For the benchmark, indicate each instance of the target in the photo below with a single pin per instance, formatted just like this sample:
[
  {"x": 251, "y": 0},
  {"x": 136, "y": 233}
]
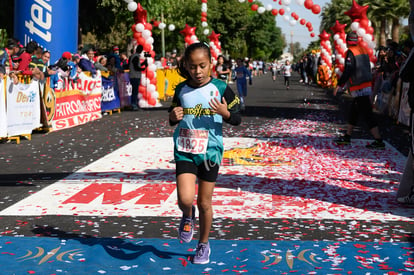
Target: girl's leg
[
  {"x": 186, "y": 192},
  {"x": 205, "y": 209}
]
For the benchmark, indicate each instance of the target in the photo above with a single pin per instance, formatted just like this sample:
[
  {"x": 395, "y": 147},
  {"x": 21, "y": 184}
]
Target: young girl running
[
  {"x": 241, "y": 74},
  {"x": 199, "y": 106}
]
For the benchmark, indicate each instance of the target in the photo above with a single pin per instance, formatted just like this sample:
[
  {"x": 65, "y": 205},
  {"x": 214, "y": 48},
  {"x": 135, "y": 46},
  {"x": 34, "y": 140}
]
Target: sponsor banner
[
  {"x": 45, "y": 255},
  {"x": 405, "y": 110},
  {"x": 124, "y": 88},
  {"x": 259, "y": 178},
  {"x": 110, "y": 98},
  {"x": 47, "y": 23},
  {"x": 77, "y": 101},
  {"x": 3, "y": 114},
  {"x": 23, "y": 108}
]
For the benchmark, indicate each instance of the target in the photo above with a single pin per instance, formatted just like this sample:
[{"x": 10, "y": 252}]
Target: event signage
[{"x": 52, "y": 24}]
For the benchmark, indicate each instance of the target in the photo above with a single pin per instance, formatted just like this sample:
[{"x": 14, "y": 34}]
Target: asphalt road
[{"x": 303, "y": 116}]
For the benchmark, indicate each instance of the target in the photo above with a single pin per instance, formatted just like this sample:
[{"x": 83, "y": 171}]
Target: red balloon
[
  {"x": 275, "y": 12},
  {"x": 147, "y": 47},
  {"x": 148, "y": 26},
  {"x": 137, "y": 35},
  {"x": 141, "y": 41},
  {"x": 203, "y": 19},
  {"x": 203, "y": 1},
  {"x": 133, "y": 28},
  {"x": 150, "y": 74},
  {"x": 302, "y": 21},
  {"x": 312, "y": 34},
  {"x": 316, "y": 9},
  {"x": 308, "y": 4},
  {"x": 203, "y": 13},
  {"x": 254, "y": 7},
  {"x": 142, "y": 89},
  {"x": 153, "y": 81},
  {"x": 281, "y": 11},
  {"x": 308, "y": 24},
  {"x": 152, "y": 101},
  {"x": 250, "y": 1},
  {"x": 310, "y": 28}
]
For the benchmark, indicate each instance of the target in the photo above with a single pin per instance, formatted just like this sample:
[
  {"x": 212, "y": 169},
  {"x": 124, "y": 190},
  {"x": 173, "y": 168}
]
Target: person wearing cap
[{"x": 357, "y": 75}]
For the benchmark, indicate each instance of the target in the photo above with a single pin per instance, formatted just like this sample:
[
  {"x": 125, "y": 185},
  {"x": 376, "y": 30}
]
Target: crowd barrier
[{"x": 61, "y": 102}]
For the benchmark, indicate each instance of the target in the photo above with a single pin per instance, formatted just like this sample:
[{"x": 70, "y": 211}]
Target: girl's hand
[
  {"x": 220, "y": 108},
  {"x": 176, "y": 114}
]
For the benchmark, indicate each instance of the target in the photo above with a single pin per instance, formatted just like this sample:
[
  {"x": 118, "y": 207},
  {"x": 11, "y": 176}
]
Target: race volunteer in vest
[{"x": 358, "y": 78}]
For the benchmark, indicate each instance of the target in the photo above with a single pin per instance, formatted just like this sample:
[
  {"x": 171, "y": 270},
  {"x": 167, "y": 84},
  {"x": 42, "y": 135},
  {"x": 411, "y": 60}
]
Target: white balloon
[
  {"x": 204, "y": 7},
  {"x": 132, "y": 6},
  {"x": 140, "y": 96},
  {"x": 355, "y": 26},
  {"x": 269, "y": 7},
  {"x": 144, "y": 80},
  {"x": 152, "y": 67},
  {"x": 328, "y": 43},
  {"x": 368, "y": 37},
  {"x": 206, "y": 31},
  {"x": 342, "y": 60},
  {"x": 241, "y": 1},
  {"x": 286, "y": 18},
  {"x": 127, "y": 1},
  {"x": 162, "y": 26},
  {"x": 286, "y": 2},
  {"x": 171, "y": 27},
  {"x": 292, "y": 22},
  {"x": 211, "y": 44},
  {"x": 361, "y": 32},
  {"x": 146, "y": 34},
  {"x": 150, "y": 61},
  {"x": 139, "y": 27},
  {"x": 204, "y": 24},
  {"x": 193, "y": 38},
  {"x": 143, "y": 103},
  {"x": 287, "y": 9},
  {"x": 300, "y": 2},
  {"x": 151, "y": 88},
  {"x": 336, "y": 37},
  {"x": 150, "y": 40},
  {"x": 261, "y": 10},
  {"x": 372, "y": 45},
  {"x": 155, "y": 95}
]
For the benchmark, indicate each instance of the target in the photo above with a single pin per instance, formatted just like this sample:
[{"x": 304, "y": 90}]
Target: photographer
[{"x": 135, "y": 69}]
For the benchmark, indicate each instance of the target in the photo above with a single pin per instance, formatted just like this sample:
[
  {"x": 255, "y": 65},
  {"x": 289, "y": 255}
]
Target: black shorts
[{"x": 207, "y": 170}]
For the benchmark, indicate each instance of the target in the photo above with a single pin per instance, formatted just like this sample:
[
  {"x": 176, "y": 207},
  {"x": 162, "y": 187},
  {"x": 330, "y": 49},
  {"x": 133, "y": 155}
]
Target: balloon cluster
[
  {"x": 204, "y": 23},
  {"x": 326, "y": 51},
  {"x": 362, "y": 26},
  {"x": 147, "y": 91},
  {"x": 340, "y": 46},
  {"x": 215, "y": 46},
  {"x": 189, "y": 35}
]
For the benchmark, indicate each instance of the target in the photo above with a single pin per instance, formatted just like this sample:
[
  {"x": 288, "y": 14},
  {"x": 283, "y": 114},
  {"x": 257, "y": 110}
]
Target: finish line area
[{"x": 286, "y": 205}]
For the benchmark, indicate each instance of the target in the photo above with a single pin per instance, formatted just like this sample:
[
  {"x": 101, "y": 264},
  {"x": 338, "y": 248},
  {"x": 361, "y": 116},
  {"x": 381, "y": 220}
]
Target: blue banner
[
  {"x": 110, "y": 98},
  {"x": 53, "y": 24}
]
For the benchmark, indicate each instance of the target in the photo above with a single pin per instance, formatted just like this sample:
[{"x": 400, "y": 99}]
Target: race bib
[{"x": 192, "y": 141}]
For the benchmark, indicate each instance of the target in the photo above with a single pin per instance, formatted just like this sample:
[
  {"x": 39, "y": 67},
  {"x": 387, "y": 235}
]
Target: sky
[{"x": 298, "y": 33}]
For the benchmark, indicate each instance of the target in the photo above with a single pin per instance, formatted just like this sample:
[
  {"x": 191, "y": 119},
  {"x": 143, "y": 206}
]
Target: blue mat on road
[{"x": 41, "y": 255}]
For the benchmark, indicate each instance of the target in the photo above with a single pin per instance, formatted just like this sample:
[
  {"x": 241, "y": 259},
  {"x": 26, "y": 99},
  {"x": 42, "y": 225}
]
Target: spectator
[
  {"x": 87, "y": 64},
  {"x": 101, "y": 63},
  {"x": 135, "y": 69},
  {"x": 6, "y": 62},
  {"x": 26, "y": 58}
]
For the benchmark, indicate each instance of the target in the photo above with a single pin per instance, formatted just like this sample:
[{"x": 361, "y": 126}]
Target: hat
[
  {"x": 352, "y": 38},
  {"x": 115, "y": 48},
  {"x": 67, "y": 55},
  {"x": 75, "y": 56}
]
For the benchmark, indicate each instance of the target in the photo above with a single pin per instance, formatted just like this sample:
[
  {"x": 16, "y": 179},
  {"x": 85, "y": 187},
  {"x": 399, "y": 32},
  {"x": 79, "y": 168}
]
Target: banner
[
  {"x": 110, "y": 98},
  {"x": 404, "y": 113},
  {"x": 48, "y": 23},
  {"x": 3, "y": 114},
  {"x": 124, "y": 89},
  {"x": 77, "y": 101},
  {"x": 23, "y": 108}
]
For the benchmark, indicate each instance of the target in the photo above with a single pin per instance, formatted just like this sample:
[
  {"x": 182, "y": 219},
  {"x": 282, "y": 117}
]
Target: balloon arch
[{"x": 360, "y": 23}]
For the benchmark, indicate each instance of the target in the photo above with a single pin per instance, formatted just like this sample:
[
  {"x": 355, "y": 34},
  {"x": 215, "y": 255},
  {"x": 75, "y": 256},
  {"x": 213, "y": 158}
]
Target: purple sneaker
[
  {"x": 186, "y": 230},
  {"x": 202, "y": 255}
]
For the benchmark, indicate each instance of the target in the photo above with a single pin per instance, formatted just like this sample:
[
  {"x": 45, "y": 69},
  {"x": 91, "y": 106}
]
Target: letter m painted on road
[{"x": 112, "y": 194}]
